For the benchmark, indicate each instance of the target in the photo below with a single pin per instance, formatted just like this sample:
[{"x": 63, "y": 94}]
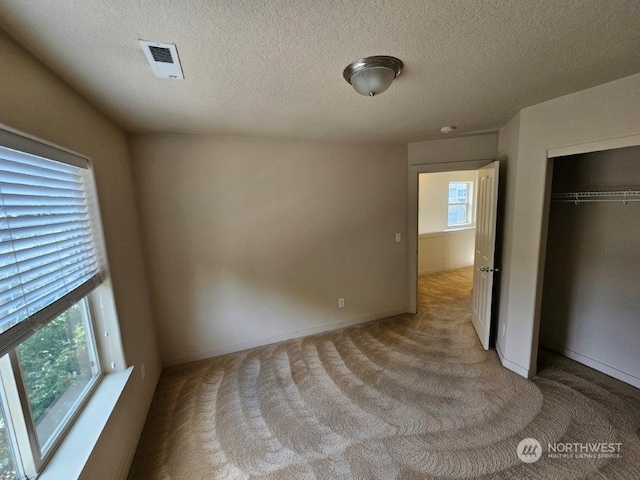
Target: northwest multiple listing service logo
[{"x": 529, "y": 450}]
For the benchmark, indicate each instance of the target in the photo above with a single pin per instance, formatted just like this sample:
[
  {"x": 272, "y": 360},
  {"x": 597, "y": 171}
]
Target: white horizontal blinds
[{"x": 47, "y": 254}]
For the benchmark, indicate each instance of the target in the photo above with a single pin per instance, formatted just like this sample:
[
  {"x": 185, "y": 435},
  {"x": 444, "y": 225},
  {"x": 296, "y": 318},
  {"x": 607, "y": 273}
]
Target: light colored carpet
[{"x": 411, "y": 397}]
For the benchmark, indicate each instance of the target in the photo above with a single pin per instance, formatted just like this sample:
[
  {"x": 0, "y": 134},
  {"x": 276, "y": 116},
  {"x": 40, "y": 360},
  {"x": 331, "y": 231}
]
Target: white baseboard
[
  {"x": 445, "y": 269},
  {"x": 514, "y": 367},
  {"x": 259, "y": 342},
  {"x": 596, "y": 365}
]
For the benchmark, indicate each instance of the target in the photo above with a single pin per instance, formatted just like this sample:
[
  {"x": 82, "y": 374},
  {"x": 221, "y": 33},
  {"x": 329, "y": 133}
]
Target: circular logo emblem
[{"x": 529, "y": 450}]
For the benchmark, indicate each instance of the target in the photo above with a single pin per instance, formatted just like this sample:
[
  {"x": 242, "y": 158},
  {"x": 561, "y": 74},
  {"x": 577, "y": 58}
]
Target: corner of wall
[
  {"x": 507, "y": 155},
  {"x": 514, "y": 367},
  {"x": 34, "y": 99}
]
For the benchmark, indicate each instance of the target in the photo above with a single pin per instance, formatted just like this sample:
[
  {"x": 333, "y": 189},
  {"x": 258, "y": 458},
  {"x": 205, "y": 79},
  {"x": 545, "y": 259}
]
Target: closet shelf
[{"x": 624, "y": 196}]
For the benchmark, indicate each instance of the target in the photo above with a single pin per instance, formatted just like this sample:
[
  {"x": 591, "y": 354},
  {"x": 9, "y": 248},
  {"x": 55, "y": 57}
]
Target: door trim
[
  {"x": 414, "y": 171},
  {"x": 552, "y": 154}
]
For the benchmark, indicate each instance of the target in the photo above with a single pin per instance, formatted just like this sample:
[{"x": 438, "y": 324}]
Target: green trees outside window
[
  {"x": 56, "y": 366},
  {"x": 54, "y": 359}
]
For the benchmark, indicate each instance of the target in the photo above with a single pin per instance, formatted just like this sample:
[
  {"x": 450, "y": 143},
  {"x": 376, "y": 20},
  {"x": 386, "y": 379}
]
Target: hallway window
[{"x": 459, "y": 211}]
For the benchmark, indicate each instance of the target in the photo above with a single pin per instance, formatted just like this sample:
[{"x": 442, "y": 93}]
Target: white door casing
[
  {"x": 414, "y": 171},
  {"x": 484, "y": 267}
]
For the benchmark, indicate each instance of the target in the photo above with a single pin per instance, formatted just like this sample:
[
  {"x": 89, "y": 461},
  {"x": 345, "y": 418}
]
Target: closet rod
[{"x": 624, "y": 196}]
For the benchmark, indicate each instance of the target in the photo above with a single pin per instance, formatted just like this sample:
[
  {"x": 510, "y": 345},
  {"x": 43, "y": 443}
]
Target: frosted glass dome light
[{"x": 371, "y": 76}]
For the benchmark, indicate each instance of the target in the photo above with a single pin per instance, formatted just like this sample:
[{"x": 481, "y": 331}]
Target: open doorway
[
  {"x": 446, "y": 235},
  {"x": 467, "y": 203}
]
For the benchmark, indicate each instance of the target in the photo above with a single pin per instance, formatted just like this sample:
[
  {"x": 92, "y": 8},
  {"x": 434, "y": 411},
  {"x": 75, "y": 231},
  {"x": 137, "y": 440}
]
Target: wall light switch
[
  {"x": 341, "y": 303},
  {"x": 398, "y": 237}
]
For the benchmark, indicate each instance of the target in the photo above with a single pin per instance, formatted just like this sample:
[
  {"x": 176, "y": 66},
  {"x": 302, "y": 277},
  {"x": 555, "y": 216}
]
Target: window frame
[
  {"x": 42, "y": 452},
  {"x": 100, "y": 322},
  {"x": 470, "y": 221}
]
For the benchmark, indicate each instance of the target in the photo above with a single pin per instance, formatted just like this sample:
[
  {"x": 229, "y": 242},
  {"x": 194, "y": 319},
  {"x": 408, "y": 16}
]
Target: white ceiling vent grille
[{"x": 163, "y": 58}]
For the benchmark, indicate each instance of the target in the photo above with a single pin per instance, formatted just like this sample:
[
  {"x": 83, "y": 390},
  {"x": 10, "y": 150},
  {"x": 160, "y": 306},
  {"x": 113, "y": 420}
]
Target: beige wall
[
  {"x": 442, "y": 251},
  {"x": 507, "y": 149},
  {"x": 590, "y": 300},
  {"x": 461, "y": 149},
  {"x": 599, "y": 114},
  {"x": 251, "y": 241},
  {"x": 440, "y": 248},
  {"x": 35, "y": 101},
  {"x": 433, "y": 196}
]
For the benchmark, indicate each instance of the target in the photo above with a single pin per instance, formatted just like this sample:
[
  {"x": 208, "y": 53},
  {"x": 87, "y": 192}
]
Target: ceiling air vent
[{"x": 163, "y": 58}]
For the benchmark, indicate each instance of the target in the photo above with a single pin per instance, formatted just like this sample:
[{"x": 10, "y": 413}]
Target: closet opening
[{"x": 591, "y": 290}]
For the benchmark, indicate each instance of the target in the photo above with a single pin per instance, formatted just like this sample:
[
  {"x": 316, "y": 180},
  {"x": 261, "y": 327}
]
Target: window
[
  {"x": 49, "y": 267},
  {"x": 7, "y": 462},
  {"x": 459, "y": 212}
]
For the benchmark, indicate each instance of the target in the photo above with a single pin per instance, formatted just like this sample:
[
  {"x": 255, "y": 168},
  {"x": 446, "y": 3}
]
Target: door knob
[{"x": 489, "y": 269}]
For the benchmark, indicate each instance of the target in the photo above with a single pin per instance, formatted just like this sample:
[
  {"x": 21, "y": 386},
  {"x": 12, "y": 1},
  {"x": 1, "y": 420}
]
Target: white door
[{"x": 483, "y": 266}]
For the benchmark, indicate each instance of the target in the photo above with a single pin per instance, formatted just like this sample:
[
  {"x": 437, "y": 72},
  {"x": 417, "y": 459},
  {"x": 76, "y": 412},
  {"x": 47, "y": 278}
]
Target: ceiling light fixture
[
  {"x": 448, "y": 129},
  {"x": 372, "y": 75}
]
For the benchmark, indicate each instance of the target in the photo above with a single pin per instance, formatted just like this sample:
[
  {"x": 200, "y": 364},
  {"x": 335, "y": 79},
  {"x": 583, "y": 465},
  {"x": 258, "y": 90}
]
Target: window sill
[
  {"x": 461, "y": 227},
  {"x": 444, "y": 233},
  {"x": 73, "y": 453}
]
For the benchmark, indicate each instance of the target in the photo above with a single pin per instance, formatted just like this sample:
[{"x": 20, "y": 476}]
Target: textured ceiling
[{"x": 274, "y": 67}]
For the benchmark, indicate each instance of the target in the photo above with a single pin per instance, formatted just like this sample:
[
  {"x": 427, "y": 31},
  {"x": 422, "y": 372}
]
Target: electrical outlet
[
  {"x": 143, "y": 371},
  {"x": 398, "y": 237},
  {"x": 341, "y": 303},
  {"x": 504, "y": 330}
]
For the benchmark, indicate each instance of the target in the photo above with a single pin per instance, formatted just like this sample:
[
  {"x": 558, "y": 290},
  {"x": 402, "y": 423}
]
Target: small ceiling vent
[{"x": 163, "y": 58}]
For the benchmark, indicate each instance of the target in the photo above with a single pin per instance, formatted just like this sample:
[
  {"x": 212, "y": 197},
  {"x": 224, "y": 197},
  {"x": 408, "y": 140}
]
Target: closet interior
[{"x": 591, "y": 292}]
